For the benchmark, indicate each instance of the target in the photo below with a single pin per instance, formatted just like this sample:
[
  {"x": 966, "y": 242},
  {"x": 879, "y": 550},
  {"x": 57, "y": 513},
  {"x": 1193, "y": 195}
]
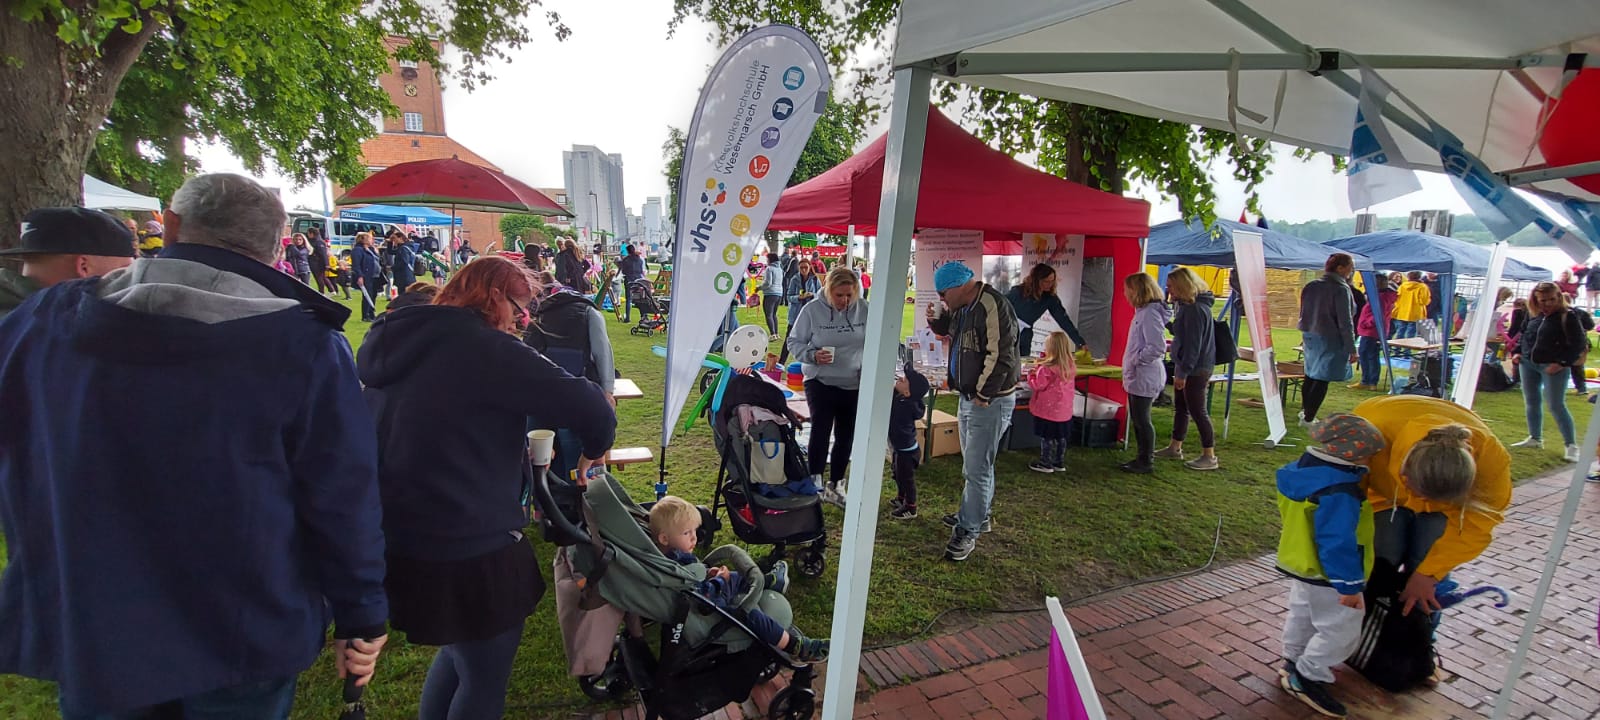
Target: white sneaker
[
  {"x": 1529, "y": 442},
  {"x": 1571, "y": 454},
  {"x": 1302, "y": 421}
]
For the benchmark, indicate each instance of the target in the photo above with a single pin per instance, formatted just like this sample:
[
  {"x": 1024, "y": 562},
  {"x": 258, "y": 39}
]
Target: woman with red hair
[{"x": 450, "y": 471}]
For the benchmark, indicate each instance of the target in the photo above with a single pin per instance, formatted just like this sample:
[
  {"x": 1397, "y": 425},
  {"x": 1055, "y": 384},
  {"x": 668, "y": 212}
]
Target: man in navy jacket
[{"x": 188, "y": 477}]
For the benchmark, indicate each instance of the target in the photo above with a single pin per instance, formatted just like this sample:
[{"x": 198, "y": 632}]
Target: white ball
[{"x": 746, "y": 346}]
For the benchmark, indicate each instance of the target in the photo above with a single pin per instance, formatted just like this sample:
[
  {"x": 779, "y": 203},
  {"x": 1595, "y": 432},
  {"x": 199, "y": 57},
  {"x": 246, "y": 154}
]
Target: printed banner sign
[
  {"x": 1480, "y": 317},
  {"x": 1250, "y": 262},
  {"x": 937, "y": 247},
  {"x": 1376, "y": 172},
  {"x": 1065, "y": 254},
  {"x": 755, "y": 114}
]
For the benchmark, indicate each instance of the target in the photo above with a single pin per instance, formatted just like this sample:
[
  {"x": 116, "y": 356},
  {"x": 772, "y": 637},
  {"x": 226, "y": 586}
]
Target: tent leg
[
  {"x": 902, "y": 177},
  {"x": 1235, "y": 321},
  {"x": 1558, "y": 543}
]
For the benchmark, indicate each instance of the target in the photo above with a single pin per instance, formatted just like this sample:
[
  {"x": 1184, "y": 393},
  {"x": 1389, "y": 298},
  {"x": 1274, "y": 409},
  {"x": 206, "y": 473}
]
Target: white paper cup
[
  {"x": 541, "y": 446},
  {"x": 829, "y": 350}
]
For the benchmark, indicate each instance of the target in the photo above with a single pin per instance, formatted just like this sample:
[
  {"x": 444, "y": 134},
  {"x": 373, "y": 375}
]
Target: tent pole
[
  {"x": 1558, "y": 543},
  {"x": 1235, "y": 321},
  {"x": 902, "y": 176}
]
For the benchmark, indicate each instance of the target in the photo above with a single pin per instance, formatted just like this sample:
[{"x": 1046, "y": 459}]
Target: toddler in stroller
[
  {"x": 709, "y": 653},
  {"x": 652, "y": 311}
]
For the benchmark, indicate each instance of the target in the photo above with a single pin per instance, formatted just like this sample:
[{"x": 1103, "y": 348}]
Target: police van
[{"x": 340, "y": 232}]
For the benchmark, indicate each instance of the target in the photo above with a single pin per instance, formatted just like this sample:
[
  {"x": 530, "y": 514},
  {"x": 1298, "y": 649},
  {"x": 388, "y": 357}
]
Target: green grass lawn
[{"x": 1063, "y": 534}]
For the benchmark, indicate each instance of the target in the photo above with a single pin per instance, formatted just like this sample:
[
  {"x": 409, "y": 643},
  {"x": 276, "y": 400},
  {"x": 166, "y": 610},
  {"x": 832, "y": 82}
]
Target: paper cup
[
  {"x": 541, "y": 446},
  {"x": 829, "y": 350}
]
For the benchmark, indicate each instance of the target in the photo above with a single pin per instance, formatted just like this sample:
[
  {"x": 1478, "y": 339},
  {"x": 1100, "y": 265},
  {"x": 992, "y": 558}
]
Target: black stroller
[
  {"x": 763, "y": 480},
  {"x": 709, "y": 657},
  {"x": 653, "y": 311}
]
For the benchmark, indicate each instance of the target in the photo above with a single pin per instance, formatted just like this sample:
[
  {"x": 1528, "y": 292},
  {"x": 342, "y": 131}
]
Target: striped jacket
[{"x": 984, "y": 363}]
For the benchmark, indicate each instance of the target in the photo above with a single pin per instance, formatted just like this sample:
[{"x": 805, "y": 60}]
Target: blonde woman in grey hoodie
[{"x": 829, "y": 338}]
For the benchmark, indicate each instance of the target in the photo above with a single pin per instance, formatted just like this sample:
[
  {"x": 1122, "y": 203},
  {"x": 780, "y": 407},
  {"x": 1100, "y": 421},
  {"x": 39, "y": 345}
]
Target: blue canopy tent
[
  {"x": 1407, "y": 250},
  {"x": 424, "y": 216},
  {"x": 1181, "y": 243},
  {"x": 1193, "y": 243}
]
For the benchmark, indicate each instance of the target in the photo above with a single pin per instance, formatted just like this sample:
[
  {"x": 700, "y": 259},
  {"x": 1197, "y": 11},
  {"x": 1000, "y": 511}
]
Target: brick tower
[{"x": 418, "y": 133}]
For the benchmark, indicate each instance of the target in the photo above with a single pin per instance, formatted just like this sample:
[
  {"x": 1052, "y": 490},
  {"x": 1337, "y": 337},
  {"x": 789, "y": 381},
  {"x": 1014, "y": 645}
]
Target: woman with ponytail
[{"x": 1438, "y": 489}]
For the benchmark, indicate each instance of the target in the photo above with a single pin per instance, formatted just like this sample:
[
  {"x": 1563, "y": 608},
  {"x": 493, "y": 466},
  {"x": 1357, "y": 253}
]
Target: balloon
[{"x": 1569, "y": 127}]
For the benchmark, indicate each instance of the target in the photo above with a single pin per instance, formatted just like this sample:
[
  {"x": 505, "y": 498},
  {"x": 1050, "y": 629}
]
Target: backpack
[
  {"x": 560, "y": 332},
  {"x": 1492, "y": 377},
  {"x": 1227, "y": 351},
  {"x": 1396, "y": 651}
]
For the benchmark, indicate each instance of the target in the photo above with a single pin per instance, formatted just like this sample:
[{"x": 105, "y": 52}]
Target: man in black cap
[{"x": 61, "y": 244}]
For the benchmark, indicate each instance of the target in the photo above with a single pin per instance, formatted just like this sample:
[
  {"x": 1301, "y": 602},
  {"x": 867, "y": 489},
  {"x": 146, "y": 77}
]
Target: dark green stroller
[{"x": 708, "y": 656}]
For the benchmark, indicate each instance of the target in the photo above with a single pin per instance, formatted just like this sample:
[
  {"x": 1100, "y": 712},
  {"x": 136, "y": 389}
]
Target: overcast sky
[{"x": 618, "y": 82}]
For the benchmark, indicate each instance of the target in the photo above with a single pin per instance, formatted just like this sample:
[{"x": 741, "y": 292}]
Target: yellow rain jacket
[
  {"x": 1404, "y": 420},
  {"x": 1412, "y": 305}
]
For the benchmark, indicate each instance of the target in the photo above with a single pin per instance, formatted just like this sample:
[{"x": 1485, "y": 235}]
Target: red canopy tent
[{"x": 967, "y": 185}]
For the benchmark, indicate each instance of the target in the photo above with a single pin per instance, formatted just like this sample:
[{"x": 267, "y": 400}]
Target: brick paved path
[{"x": 1204, "y": 646}]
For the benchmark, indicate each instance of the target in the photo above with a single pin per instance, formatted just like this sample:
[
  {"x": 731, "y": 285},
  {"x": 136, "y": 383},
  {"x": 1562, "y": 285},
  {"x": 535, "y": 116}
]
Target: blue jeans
[
  {"x": 266, "y": 700},
  {"x": 1553, "y": 388},
  {"x": 981, "y": 428},
  {"x": 1371, "y": 355},
  {"x": 1403, "y": 329}
]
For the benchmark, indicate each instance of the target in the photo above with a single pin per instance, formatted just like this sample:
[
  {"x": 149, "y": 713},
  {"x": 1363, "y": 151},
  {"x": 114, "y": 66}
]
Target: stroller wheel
[
  {"x": 610, "y": 685},
  {"x": 793, "y": 704},
  {"x": 707, "y": 379},
  {"x": 812, "y": 562}
]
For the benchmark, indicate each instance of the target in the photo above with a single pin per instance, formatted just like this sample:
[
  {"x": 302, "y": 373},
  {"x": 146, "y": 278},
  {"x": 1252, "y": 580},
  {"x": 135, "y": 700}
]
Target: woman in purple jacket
[{"x": 1143, "y": 376}]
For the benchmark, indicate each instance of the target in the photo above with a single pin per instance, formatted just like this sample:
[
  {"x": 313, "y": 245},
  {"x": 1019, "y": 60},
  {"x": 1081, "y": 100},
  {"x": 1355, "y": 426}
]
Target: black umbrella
[{"x": 354, "y": 709}]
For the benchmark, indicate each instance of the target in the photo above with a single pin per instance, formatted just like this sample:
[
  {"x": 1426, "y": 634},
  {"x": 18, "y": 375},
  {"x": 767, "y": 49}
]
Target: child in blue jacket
[{"x": 1326, "y": 549}]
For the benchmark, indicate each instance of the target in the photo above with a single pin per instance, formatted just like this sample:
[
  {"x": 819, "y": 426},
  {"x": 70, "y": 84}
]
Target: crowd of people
[{"x": 327, "y": 488}]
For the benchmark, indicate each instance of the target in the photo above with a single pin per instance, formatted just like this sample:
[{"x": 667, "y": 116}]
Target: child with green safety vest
[{"x": 1326, "y": 550}]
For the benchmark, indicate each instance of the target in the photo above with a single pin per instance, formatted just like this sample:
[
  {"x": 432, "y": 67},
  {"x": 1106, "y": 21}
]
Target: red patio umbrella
[{"x": 453, "y": 182}]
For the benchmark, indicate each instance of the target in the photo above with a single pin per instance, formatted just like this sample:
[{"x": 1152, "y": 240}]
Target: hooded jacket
[
  {"x": 1406, "y": 419},
  {"x": 1328, "y": 309},
  {"x": 1327, "y": 523},
  {"x": 1411, "y": 304},
  {"x": 801, "y": 284},
  {"x": 450, "y": 463},
  {"x": 142, "y": 571},
  {"x": 1142, "y": 372},
  {"x": 984, "y": 363},
  {"x": 1194, "y": 345},
  {"x": 631, "y": 267},
  {"x": 1366, "y": 326},
  {"x": 299, "y": 258},
  {"x": 14, "y": 289},
  {"x": 904, "y": 412},
  {"x": 820, "y": 326},
  {"x": 1053, "y": 395},
  {"x": 1556, "y": 338}
]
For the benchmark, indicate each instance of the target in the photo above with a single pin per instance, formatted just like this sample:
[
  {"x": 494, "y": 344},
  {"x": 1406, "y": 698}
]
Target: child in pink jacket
[{"x": 1051, "y": 405}]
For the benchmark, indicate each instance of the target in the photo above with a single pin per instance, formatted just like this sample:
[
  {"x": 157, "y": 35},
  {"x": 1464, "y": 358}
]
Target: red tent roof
[{"x": 966, "y": 185}]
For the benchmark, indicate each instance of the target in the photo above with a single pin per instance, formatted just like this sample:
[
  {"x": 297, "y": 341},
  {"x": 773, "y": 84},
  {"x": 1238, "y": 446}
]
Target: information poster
[
  {"x": 1250, "y": 262},
  {"x": 1480, "y": 317},
  {"x": 937, "y": 247}
]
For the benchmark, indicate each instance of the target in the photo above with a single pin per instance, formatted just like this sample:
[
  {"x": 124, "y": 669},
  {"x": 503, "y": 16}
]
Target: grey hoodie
[{"x": 820, "y": 326}]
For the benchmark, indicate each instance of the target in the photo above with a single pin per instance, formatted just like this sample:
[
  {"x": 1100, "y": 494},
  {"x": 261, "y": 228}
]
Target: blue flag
[
  {"x": 1377, "y": 171},
  {"x": 1500, "y": 209}
]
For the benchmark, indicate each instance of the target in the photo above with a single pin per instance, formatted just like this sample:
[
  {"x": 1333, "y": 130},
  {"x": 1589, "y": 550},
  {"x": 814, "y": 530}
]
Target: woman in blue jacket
[
  {"x": 1035, "y": 297},
  {"x": 367, "y": 273},
  {"x": 461, "y": 574}
]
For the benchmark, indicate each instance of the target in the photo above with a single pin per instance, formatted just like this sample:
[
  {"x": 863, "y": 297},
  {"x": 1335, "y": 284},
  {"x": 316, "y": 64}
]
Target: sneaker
[
  {"x": 960, "y": 546},
  {"x": 1137, "y": 467},
  {"x": 1167, "y": 453},
  {"x": 904, "y": 512},
  {"x": 1286, "y": 668},
  {"x": 1571, "y": 455},
  {"x": 832, "y": 496},
  {"x": 1359, "y": 386},
  {"x": 954, "y": 519},
  {"x": 1204, "y": 462},
  {"x": 1041, "y": 466},
  {"x": 778, "y": 577},
  {"x": 807, "y": 650},
  {"x": 1303, "y": 422},
  {"x": 1593, "y": 476},
  {"x": 1529, "y": 442},
  {"x": 1312, "y": 693},
  {"x": 896, "y": 504}
]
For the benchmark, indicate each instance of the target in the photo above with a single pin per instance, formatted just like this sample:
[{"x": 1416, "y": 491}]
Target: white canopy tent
[
  {"x": 1281, "y": 69},
  {"x": 101, "y": 195}
]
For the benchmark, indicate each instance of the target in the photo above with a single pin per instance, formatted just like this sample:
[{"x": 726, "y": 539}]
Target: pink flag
[{"x": 1065, "y": 700}]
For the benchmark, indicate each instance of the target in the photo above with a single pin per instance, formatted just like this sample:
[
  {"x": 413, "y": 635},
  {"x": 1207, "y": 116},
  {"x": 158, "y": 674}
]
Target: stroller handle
[{"x": 561, "y": 529}]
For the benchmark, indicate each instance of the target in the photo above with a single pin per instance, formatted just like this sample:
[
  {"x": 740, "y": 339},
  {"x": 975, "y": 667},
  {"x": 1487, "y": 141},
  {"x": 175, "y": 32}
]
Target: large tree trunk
[
  {"x": 57, "y": 97},
  {"x": 1085, "y": 157}
]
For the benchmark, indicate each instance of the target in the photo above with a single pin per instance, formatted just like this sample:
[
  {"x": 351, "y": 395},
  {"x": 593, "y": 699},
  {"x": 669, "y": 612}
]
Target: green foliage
[
  {"x": 1462, "y": 227},
  {"x": 290, "y": 84},
  {"x": 1089, "y": 145},
  {"x": 832, "y": 141},
  {"x": 531, "y": 228}
]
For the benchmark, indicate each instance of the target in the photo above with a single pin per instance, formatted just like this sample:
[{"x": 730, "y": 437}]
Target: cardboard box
[{"x": 946, "y": 436}]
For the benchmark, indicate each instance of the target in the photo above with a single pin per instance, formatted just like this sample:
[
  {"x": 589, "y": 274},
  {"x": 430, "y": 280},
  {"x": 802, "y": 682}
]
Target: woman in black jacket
[
  {"x": 1194, "y": 356},
  {"x": 1551, "y": 341},
  {"x": 461, "y": 575},
  {"x": 570, "y": 268}
]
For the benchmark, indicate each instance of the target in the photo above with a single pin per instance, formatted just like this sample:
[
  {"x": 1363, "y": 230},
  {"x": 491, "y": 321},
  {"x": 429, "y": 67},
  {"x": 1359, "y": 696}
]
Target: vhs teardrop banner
[{"x": 756, "y": 113}]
